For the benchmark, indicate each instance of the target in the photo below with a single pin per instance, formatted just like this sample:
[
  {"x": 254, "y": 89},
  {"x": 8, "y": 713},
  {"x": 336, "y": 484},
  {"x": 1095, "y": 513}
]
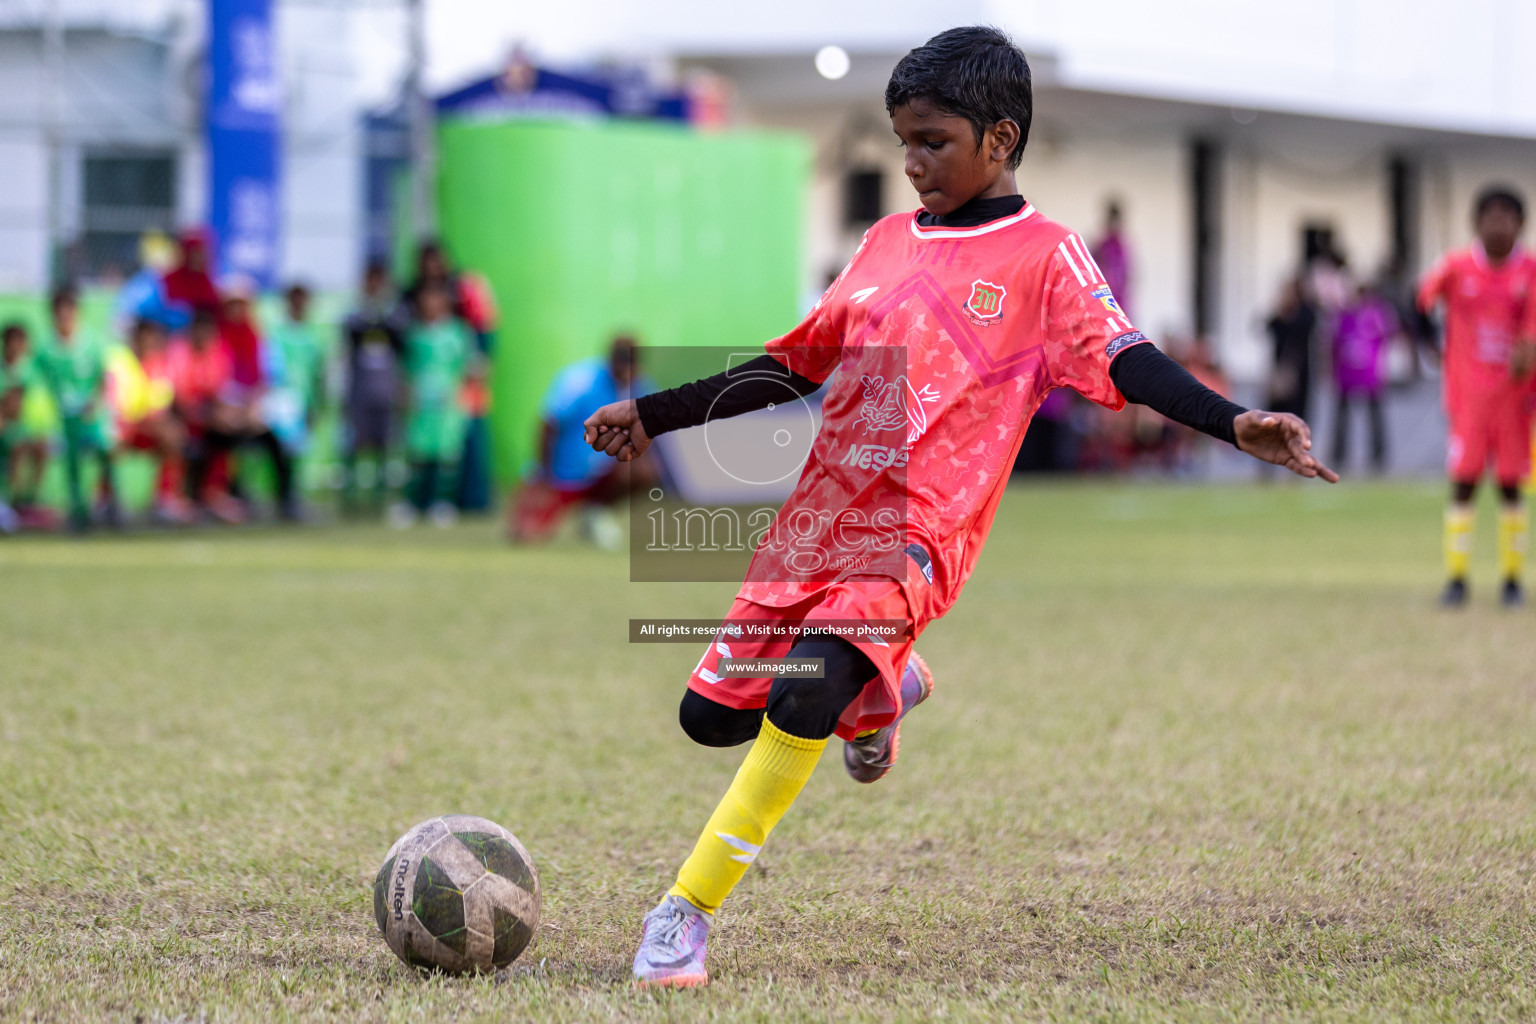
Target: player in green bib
[
  {"x": 438, "y": 354},
  {"x": 24, "y": 425},
  {"x": 72, "y": 365},
  {"x": 295, "y": 372}
]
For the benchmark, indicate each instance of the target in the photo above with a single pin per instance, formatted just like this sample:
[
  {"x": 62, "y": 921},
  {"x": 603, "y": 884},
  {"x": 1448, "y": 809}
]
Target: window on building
[
  {"x": 123, "y": 196},
  {"x": 861, "y": 197}
]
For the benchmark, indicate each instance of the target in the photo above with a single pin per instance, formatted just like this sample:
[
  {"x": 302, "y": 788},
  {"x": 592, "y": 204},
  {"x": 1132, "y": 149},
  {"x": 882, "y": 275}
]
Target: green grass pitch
[{"x": 1195, "y": 753}]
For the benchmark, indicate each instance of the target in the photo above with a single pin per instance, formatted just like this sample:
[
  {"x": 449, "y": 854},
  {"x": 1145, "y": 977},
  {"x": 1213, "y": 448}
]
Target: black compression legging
[
  {"x": 1462, "y": 491},
  {"x": 808, "y": 708}
]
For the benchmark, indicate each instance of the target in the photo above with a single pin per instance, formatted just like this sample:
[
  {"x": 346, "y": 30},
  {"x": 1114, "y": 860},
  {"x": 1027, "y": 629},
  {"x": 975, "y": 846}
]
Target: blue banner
[{"x": 243, "y": 124}]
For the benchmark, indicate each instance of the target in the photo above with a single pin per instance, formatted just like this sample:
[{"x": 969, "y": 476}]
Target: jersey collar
[
  {"x": 1480, "y": 255},
  {"x": 918, "y": 231}
]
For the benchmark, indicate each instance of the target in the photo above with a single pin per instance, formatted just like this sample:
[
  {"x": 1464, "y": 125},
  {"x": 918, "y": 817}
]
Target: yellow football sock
[
  {"x": 1512, "y": 530},
  {"x": 1458, "y": 541},
  {"x": 775, "y": 771}
]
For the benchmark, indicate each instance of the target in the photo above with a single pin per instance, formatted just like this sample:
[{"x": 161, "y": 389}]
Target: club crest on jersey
[
  {"x": 1107, "y": 300},
  {"x": 985, "y": 306}
]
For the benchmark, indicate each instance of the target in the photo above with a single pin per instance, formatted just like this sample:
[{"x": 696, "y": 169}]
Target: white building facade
[
  {"x": 101, "y": 139},
  {"x": 1380, "y": 189}
]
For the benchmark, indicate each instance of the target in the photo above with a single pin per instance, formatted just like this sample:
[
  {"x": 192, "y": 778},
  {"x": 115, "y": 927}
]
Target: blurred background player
[
  {"x": 570, "y": 474},
  {"x": 1290, "y": 329},
  {"x": 246, "y": 425},
  {"x": 294, "y": 368},
  {"x": 1113, "y": 255},
  {"x": 199, "y": 372},
  {"x": 23, "y": 442},
  {"x": 439, "y": 354},
  {"x": 374, "y": 336},
  {"x": 72, "y": 367},
  {"x": 1361, "y": 334},
  {"x": 473, "y": 305},
  {"x": 1485, "y": 291},
  {"x": 142, "y": 395},
  {"x": 188, "y": 286},
  {"x": 144, "y": 295}
]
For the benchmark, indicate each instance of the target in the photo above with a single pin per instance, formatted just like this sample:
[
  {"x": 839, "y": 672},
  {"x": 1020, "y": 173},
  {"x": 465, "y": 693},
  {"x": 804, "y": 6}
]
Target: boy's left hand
[{"x": 1280, "y": 438}]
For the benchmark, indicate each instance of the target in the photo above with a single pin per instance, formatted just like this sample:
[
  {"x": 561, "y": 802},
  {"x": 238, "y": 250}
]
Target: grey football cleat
[
  {"x": 870, "y": 758},
  {"x": 671, "y": 953}
]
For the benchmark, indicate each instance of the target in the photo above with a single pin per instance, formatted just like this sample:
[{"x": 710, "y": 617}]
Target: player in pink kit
[
  {"x": 1489, "y": 324},
  {"x": 946, "y": 331}
]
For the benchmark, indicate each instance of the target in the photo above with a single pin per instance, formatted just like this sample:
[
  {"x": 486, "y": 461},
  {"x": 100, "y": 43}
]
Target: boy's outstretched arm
[
  {"x": 1147, "y": 377},
  {"x": 625, "y": 429}
]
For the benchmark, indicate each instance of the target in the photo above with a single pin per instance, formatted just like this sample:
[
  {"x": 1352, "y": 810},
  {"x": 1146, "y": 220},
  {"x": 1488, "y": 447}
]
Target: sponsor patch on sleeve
[
  {"x": 1124, "y": 341},
  {"x": 1107, "y": 300}
]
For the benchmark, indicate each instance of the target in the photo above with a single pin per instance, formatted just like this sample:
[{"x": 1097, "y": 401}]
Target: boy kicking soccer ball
[{"x": 984, "y": 306}]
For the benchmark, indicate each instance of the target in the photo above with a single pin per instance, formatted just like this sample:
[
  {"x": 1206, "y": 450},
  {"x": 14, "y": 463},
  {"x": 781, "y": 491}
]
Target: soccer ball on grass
[{"x": 457, "y": 894}]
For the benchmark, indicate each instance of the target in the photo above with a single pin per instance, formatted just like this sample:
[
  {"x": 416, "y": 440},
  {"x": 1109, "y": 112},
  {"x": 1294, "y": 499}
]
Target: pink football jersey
[{"x": 944, "y": 342}]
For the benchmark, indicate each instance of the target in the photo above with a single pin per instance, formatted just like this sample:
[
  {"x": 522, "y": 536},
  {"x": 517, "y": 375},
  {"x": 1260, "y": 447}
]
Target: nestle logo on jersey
[
  {"x": 985, "y": 306},
  {"x": 874, "y": 456}
]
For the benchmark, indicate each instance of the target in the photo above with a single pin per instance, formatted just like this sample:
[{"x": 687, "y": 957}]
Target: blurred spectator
[
  {"x": 473, "y": 304},
  {"x": 144, "y": 295},
  {"x": 199, "y": 371},
  {"x": 239, "y": 334},
  {"x": 1198, "y": 357},
  {"x": 570, "y": 473},
  {"x": 1360, "y": 337},
  {"x": 1290, "y": 333},
  {"x": 220, "y": 417},
  {"x": 439, "y": 356},
  {"x": 1113, "y": 255},
  {"x": 142, "y": 393},
  {"x": 189, "y": 286},
  {"x": 477, "y": 306},
  {"x": 1328, "y": 283},
  {"x": 1050, "y": 444},
  {"x": 72, "y": 366},
  {"x": 375, "y": 341},
  {"x": 294, "y": 366},
  {"x": 246, "y": 393},
  {"x": 1398, "y": 287},
  {"x": 23, "y": 437},
  {"x": 431, "y": 270}
]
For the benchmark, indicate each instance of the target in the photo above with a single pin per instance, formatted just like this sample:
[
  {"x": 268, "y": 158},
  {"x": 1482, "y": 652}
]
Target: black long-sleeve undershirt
[
  {"x": 753, "y": 385},
  {"x": 1148, "y": 377},
  {"x": 1142, "y": 373}
]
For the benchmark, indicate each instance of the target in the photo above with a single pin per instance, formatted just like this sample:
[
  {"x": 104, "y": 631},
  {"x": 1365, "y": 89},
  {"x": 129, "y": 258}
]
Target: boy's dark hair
[
  {"x": 377, "y": 265},
  {"x": 973, "y": 72},
  {"x": 1500, "y": 195},
  {"x": 64, "y": 294},
  {"x": 297, "y": 288},
  {"x": 204, "y": 318},
  {"x": 12, "y": 329}
]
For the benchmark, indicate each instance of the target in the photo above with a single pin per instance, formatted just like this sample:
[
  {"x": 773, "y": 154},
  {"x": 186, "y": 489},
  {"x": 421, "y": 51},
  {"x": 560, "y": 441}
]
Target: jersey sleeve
[
  {"x": 1085, "y": 328},
  {"x": 814, "y": 347},
  {"x": 1526, "y": 332}
]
